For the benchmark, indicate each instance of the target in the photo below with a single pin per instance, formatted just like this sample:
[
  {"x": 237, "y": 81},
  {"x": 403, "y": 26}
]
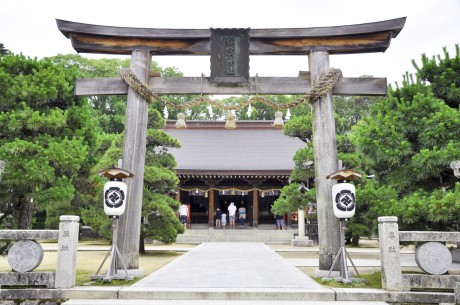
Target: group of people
[{"x": 221, "y": 216}]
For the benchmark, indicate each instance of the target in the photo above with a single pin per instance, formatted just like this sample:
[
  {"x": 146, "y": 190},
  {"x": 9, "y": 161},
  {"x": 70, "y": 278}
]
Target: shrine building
[{"x": 248, "y": 165}]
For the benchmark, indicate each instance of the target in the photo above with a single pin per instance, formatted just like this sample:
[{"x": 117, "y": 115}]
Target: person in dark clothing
[{"x": 218, "y": 218}]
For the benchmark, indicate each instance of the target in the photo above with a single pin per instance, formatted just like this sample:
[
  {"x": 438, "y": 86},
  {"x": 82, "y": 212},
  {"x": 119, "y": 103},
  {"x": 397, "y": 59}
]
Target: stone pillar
[
  {"x": 134, "y": 161},
  {"x": 66, "y": 267},
  {"x": 389, "y": 253},
  {"x": 325, "y": 150},
  {"x": 301, "y": 240},
  {"x": 301, "y": 218}
]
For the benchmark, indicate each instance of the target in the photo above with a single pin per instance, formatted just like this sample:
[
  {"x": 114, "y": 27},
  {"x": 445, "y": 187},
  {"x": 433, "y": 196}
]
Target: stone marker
[
  {"x": 66, "y": 267},
  {"x": 25, "y": 255},
  {"x": 389, "y": 253},
  {"x": 433, "y": 258}
]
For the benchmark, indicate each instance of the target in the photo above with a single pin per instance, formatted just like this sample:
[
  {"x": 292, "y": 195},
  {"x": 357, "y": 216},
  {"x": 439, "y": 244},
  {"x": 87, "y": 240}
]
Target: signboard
[{"x": 229, "y": 56}]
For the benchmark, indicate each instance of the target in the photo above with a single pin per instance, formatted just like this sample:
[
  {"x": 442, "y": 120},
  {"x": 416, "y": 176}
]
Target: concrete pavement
[{"x": 229, "y": 265}]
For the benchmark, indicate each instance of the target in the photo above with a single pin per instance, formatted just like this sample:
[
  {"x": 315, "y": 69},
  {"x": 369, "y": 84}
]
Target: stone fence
[
  {"x": 432, "y": 257},
  {"x": 26, "y": 254}
]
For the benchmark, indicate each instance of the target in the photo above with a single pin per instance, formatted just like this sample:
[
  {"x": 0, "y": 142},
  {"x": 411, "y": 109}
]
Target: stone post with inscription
[
  {"x": 66, "y": 267},
  {"x": 389, "y": 253}
]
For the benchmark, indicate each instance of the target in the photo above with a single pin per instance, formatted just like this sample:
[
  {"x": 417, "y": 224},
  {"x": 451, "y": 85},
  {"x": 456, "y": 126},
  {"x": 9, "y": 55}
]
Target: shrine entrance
[
  {"x": 230, "y": 51},
  {"x": 216, "y": 166}
]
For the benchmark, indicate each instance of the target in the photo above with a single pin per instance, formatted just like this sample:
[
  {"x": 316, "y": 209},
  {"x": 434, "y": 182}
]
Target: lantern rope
[{"x": 324, "y": 85}]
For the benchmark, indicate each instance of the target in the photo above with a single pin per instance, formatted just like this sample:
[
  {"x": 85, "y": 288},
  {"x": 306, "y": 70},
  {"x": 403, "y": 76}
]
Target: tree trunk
[
  {"x": 355, "y": 241},
  {"x": 142, "y": 242},
  {"x": 26, "y": 214}
]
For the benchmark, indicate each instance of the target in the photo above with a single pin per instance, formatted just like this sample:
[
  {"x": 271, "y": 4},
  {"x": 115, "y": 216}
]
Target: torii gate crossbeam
[{"x": 317, "y": 43}]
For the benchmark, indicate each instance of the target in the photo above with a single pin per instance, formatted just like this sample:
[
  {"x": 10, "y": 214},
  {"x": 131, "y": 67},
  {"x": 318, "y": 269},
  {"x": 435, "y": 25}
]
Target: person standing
[
  {"x": 218, "y": 218},
  {"x": 183, "y": 212},
  {"x": 280, "y": 222},
  {"x": 231, "y": 214},
  {"x": 242, "y": 215}
]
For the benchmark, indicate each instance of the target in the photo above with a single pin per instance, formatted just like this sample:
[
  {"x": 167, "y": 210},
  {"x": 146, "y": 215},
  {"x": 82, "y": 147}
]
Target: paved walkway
[
  {"x": 230, "y": 274},
  {"x": 227, "y": 274},
  {"x": 229, "y": 265}
]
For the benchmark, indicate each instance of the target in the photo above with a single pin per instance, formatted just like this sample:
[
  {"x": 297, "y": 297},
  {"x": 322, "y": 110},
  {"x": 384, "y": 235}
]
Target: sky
[{"x": 29, "y": 27}]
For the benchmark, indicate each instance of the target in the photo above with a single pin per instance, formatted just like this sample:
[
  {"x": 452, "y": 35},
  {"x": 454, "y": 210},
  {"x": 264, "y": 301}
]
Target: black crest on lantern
[
  {"x": 114, "y": 197},
  {"x": 345, "y": 200}
]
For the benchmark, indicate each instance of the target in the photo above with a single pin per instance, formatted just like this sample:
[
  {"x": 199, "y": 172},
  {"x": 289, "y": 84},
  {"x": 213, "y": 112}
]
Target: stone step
[
  {"x": 235, "y": 235},
  {"x": 213, "y": 302}
]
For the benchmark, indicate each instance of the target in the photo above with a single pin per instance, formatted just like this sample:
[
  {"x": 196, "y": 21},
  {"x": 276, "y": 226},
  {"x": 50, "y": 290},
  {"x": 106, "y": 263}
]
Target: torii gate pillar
[
  {"x": 326, "y": 162},
  {"x": 134, "y": 161}
]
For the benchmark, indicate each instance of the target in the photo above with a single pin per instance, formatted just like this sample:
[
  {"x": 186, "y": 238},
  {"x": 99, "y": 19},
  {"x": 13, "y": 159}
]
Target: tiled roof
[{"x": 253, "y": 148}]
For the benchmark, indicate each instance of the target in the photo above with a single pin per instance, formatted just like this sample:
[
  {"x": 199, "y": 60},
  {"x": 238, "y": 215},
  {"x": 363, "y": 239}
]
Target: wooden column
[
  {"x": 325, "y": 151},
  {"x": 178, "y": 195},
  {"x": 211, "y": 207},
  {"x": 255, "y": 208},
  {"x": 133, "y": 161}
]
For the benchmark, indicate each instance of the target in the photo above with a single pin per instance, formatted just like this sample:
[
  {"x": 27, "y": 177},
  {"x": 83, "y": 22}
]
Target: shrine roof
[{"x": 253, "y": 148}]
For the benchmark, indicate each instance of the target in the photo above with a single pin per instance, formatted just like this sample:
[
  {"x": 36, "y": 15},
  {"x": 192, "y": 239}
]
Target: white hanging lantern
[
  {"x": 344, "y": 193},
  {"x": 344, "y": 200},
  {"x": 115, "y": 198}
]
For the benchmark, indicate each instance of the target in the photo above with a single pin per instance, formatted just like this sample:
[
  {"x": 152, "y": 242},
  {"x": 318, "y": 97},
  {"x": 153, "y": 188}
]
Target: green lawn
[{"x": 89, "y": 261}]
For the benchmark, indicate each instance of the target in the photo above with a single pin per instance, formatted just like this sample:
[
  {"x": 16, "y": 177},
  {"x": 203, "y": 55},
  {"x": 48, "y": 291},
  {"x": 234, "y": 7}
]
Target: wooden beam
[
  {"x": 347, "y": 39},
  {"x": 266, "y": 85}
]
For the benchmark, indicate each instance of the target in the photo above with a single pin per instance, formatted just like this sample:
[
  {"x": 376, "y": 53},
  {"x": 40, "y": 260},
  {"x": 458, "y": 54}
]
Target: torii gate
[{"x": 317, "y": 43}]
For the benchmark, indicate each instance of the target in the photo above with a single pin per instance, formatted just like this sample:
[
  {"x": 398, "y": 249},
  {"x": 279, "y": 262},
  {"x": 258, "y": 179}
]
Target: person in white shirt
[
  {"x": 231, "y": 214},
  {"x": 183, "y": 212}
]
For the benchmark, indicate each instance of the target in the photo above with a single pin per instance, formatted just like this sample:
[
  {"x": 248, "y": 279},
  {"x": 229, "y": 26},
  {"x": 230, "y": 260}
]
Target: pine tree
[
  {"x": 47, "y": 139},
  {"x": 442, "y": 76},
  {"x": 410, "y": 138},
  {"x": 3, "y": 51}
]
